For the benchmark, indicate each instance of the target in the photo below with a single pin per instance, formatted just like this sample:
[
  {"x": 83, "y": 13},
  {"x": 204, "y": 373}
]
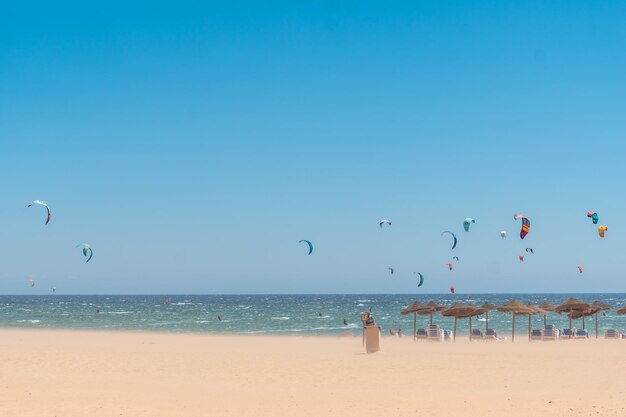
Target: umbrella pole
[
  {"x": 470, "y": 329},
  {"x": 529, "y": 327},
  {"x": 596, "y": 325},
  {"x": 513, "y": 332},
  {"x": 454, "y": 336},
  {"x": 486, "y": 321},
  {"x": 583, "y": 322},
  {"x": 431, "y": 319},
  {"x": 545, "y": 320},
  {"x": 414, "y": 320}
]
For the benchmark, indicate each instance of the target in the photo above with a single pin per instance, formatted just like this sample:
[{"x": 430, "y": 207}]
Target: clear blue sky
[{"x": 192, "y": 144}]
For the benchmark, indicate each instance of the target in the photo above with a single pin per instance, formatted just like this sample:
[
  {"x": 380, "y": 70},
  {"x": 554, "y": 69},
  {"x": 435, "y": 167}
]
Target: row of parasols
[{"x": 573, "y": 307}]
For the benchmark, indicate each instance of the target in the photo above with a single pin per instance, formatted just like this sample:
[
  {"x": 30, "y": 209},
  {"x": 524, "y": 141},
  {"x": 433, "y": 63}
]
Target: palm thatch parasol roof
[
  {"x": 622, "y": 310},
  {"x": 600, "y": 306},
  {"x": 535, "y": 309},
  {"x": 516, "y": 307},
  {"x": 435, "y": 305},
  {"x": 412, "y": 308},
  {"x": 571, "y": 304},
  {"x": 459, "y": 310},
  {"x": 488, "y": 306},
  {"x": 547, "y": 306}
]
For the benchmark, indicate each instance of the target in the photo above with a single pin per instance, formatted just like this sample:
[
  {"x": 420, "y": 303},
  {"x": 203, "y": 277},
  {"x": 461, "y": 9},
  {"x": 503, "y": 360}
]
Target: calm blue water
[{"x": 274, "y": 314}]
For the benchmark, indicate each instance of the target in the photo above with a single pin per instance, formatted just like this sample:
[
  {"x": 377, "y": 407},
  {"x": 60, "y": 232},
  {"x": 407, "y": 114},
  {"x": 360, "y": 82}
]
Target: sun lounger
[
  {"x": 491, "y": 334},
  {"x": 581, "y": 334},
  {"x": 549, "y": 332},
  {"x": 447, "y": 336},
  {"x": 536, "y": 335},
  {"x": 421, "y": 334},
  {"x": 612, "y": 334},
  {"x": 568, "y": 332},
  {"x": 477, "y": 334},
  {"x": 435, "y": 333}
]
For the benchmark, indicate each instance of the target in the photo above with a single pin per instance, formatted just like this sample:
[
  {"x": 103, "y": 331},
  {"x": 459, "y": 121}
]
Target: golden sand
[{"x": 76, "y": 373}]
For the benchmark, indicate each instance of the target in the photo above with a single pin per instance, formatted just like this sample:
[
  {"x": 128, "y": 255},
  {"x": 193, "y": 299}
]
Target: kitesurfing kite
[
  {"x": 503, "y": 234},
  {"x": 449, "y": 266},
  {"x": 32, "y": 282},
  {"x": 390, "y": 270},
  {"x": 580, "y": 269},
  {"x": 456, "y": 258},
  {"x": 601, "y": 230},
  {"x": 594, "y": 216},
  {"x": 383, "y": 221},
  {"x": 467, "y": 222},
  {"x": 521, "y": 258},
  {"x": 86, "y": 250},
  {"x": 308, "y": 243},
  {"x": 530, "y": 250},
  {"x": 525, "y": 225},
  {"x": 54, "y": 289},
  {"x": 41, "y": 203},
  {"x": 452, "y": 289},
  {"x": 421, "y": 278},
  {"x": 453, "y": 236}
]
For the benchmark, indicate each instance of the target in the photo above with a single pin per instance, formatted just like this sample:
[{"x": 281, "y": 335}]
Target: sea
[{"x": 274, "y": 314}]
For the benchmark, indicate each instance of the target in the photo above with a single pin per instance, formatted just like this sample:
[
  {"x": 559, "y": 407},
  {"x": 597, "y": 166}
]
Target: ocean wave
[{"x": 281, "y": 318}]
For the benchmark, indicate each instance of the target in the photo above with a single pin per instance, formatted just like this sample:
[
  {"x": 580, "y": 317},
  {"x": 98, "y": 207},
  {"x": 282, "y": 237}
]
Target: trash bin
[{"x": 372, "y": 338}]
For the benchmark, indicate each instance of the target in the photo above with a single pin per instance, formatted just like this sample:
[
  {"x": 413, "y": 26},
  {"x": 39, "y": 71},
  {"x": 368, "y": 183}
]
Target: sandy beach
[{"x": 76, "y": 373}]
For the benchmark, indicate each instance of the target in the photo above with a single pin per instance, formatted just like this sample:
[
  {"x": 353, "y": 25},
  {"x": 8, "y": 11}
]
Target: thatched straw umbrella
[
  {"x": 572, "y": 305},
  {"x": 412, "y": 308},
  {"x": 458, "y": 311},
  {"x": 599, "y": 306},
  {"x": 622, "y": 310},
  {"x": 536, "y": 310},
  {"x": 478, "y": 311},
  {"x": 430, "y": 308},
  {"x": 546, "y": 307},
  {"x": 487, "y": 307},
  {"x": 514, "y": 307}
]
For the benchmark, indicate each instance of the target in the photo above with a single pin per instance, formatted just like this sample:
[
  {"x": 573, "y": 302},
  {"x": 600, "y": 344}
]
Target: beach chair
[
  {"x": 568, "y": 332},
  {"x": 549, "y": 332},
  {"x": 581, "y": 334},
  {"x": 490, "y": 334},
  {"x": 612, "y": 334},
  {"x": 435, "y": 333},
  {"x": 477, "y": 334},
  {"x": 535, "y": 335},
  {"x": 447, "y": 336},
  {"x": 421, "y": 334}
]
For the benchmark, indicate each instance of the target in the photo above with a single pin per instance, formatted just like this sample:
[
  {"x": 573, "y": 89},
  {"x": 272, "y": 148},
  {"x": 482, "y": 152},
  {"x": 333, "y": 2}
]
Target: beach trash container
[{"x": 372, "y": 339}]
